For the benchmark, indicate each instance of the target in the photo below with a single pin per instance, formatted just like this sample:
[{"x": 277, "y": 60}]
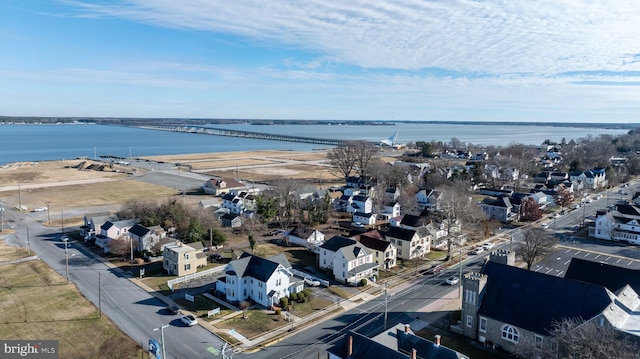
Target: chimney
[
  {"x": 350, "y": 346},
  {"x": 438, "y": 340},
  {"x": 414, "y": 354},
  {"x": 406, "y": 328}
]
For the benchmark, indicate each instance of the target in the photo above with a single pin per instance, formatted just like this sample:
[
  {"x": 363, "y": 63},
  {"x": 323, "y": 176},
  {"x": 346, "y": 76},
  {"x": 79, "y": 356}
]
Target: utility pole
[
  {"x": 62, "y": 219},
  {"x": 66, "y": 259},
  {"x": 48, "y": 212},
  {"x": 99, "y": 296},
  {"x": 385, "y": 305},
  {"x": 460, "y": 275},
  {"x": 1, "y": 215},
  {"x": 28, "y": 243}
]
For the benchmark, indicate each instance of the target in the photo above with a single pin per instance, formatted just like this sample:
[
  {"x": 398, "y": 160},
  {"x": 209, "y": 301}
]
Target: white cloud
[{"x": 495, "y": 36}]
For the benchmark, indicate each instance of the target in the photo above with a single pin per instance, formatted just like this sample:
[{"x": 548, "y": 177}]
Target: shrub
[
  {"x": 294, "y": 297},
  {"x": 302, "y": 300},
  {"x": 301, "y": 296},
  {"x": 284, "y": 302},
  {"x": 362, "y": 282},
  {"x": 278, "y": 311},
  {"x": 307, "y": 292}
]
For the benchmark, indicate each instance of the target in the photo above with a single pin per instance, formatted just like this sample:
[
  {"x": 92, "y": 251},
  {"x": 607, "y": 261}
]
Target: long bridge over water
[{"x": 245, "y": 134}]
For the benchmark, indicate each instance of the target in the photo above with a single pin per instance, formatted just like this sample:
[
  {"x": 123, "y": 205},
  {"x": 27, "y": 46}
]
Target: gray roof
[
  {"x": 533, "y": 301},
  {"x": 401, "y": 233},
  {"x": 256, "y": 267},
  {"x": 337, "y": 242}
]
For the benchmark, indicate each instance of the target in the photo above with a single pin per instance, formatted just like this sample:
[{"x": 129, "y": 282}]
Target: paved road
[{"x": 133, "y": 310}]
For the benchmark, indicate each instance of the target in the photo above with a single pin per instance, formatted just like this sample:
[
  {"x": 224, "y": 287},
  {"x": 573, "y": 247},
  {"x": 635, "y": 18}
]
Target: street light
[
  {"x": 161, "y": 329},
  {"x": 66, "y": 258}
]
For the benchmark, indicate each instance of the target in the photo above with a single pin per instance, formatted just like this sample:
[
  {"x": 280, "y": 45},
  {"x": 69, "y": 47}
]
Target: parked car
[
  {"x": 545, "y": 225},
  {"x": 40, "y": 209},
  {"x": 477, "y": 250},
  {"x": 453, "y": 280},
  {"x": 598, "y": 196},
  {"x": 357, "y": 224},
  {"x": 588, "y": 200},
  {"x": 488, "y": 246},
  {"x": 172, "y": 309},
  {"x": 64, "y": 238},
  {"x": 189, "y": 320},
  {"x": 311, "y": 281}
]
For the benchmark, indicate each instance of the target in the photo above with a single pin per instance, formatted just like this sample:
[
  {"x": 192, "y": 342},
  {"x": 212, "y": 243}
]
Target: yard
[{"x": 74, "y": 322}]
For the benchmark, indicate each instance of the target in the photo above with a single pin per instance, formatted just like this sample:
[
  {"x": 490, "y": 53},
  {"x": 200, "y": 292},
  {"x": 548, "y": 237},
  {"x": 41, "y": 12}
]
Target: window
[
  {"x": 538, "y": 341},
  {"x": 186, "y": 256},
  {"x": 510, "y": 333},
  {"x": 483, "y": 325},
  {"x": 470, "y": 296},
  {"x": 469, "y": 321},
  {"x": 187, "y": 266}
]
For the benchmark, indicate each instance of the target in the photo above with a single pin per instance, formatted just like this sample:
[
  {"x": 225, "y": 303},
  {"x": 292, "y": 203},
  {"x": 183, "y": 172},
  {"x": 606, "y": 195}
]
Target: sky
[{"x": 429, "y": 60}]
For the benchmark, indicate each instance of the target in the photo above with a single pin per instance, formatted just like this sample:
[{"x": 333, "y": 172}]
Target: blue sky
[{"x": 484, "y": 60}]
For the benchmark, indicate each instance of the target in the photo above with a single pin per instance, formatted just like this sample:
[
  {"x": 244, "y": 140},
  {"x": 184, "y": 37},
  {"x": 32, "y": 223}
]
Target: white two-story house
[
  {"x": 410, "y": 243},
  {"x": 349, "y": 261},
  {"x": 263, "y": 280}
]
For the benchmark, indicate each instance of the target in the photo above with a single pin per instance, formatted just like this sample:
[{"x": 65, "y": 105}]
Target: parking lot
[{"x": 557, "y": 263}]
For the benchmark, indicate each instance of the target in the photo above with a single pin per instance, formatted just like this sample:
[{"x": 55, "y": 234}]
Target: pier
[{"x": 245, "y": 134}]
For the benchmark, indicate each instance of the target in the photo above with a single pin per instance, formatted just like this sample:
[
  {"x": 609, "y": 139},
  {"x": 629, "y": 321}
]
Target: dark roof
[
  {"x": 612, "y": 277},
  {"x": 363, "y": 348},
  {"x": 364, "y": 215},
  {"x": 302, "y": 232},
  {"x": 229, "y": 217},
  {"x": 228, "y": 197},
  {"x": 360, "y": 198},
  {"x": 628, "y": 209},
  {"x": 533, "y": 301},
  {"x": 401, "y": 233},
  {"x": 256, "y": 267},
  {"x": 414, "y": 221},
  {"x": 425, "y": 349},
  {"x": 337, "y": 242},
  {"x": 139, "y": 230},
  {"x": 374, "y": 243}
]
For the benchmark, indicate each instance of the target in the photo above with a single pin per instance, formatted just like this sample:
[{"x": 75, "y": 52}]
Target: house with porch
[
  {"x": 429, "y": 200},
  {"x": 146, "y": 237},
  {"x": 348, "y": 260},
  {"x": 410, "y": 243},
  {"x": 360, "y": 203},
  {"x": 384, "y": 252},
  {"x": 262, "y": 280},
  {"x": 621, "y": 224},
  {"x": 499, "y": 208},
  {"x": 590, "y": 179},
  {"x": 92, "y": 223},
  {"x": 113, "y": 230}
]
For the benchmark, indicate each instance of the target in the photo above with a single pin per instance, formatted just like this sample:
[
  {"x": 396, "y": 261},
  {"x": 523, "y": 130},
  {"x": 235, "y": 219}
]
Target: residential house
[
  {"x": 222, "y": 186},
  {"x": 622, "y": 224},
  {"x": 231, "y": 220},
  {"x": 242, "y": 203},
  {"x": 535, "y": 301},
  {"x": 113, "y": 230},
  {"x": 429, "y": 200},
  {"x": 307, "y": 237},
  {"x": 146, "y": 238},
  {"x": 389, "y": 210},
  {"x": 411, "y": 221},
  {"x": 357, "y": 181},
  {"x": 364, "y": 218},
  {"x": 500, "y": 209},
  {"x": 395, "y": 221},
  {"x": 384, "y": 252},
  {"x": 92, "y": 223},
  {"x": 182, "y": 259},
  {"x": 343, "y": 202},
  {"x": 591, "y": 179},
  {"x": 410, "y": 243},
  {"x": 210, "y": 203},
  {"x": 262, "y": 280},
  {"x": 397, "y": 342},
  {"x": 360, "y": 203},
  {"x": 391, "y": 194},
  {"x": 349, "y": 261}
]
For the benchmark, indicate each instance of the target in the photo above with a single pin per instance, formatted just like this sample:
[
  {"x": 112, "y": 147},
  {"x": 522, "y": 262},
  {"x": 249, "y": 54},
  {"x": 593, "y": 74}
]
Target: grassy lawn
[
  {"x": 159, "y": 283},
  {"x": 339, "y": 291},
  {"x": 36, "y": 303},
  {"x": 201, "y": 305},
  {"x": 308, "y": 307},
  {"x": 258, "y": 322}
]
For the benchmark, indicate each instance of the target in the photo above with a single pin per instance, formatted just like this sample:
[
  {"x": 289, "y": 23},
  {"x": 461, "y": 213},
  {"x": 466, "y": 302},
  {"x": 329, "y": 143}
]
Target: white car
[
  {"x": 312, "y": 282},
  {"x": 64, "y": 238},
  {"x": 357, "y": 224},
  {"x": 588, "y": 200},
  {"x": 40, "y": 209},
  {"x": 189, "y": 320},
  {"x": 453, "y": 280},
  {"x": 545, "y": 225},
  {"x": 488, "y": 246},
  {"x": 477, "y": 250}
]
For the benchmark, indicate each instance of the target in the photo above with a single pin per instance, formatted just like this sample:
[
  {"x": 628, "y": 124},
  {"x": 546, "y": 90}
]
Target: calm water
[{"x": 20, "y": 143}]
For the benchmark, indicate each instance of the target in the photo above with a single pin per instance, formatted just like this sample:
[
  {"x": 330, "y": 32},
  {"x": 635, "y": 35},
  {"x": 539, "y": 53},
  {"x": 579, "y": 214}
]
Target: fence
[
  {"x": 188, "y": 277},
  {"x": 307, "y": 275}
]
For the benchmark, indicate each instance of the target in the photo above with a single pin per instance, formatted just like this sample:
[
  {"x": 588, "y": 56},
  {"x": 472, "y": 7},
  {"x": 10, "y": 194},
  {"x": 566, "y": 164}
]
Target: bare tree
[
  {"x": 536, "y": 244},
  {"x": 365, "y": 152},
  {"x": 123, "y": 246},
  {"x": 342, "y": 159},
  {"x": 576, "y": 338},
  {"x": 457, "y": 208},
  {"x": 244, "y": 305}
]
